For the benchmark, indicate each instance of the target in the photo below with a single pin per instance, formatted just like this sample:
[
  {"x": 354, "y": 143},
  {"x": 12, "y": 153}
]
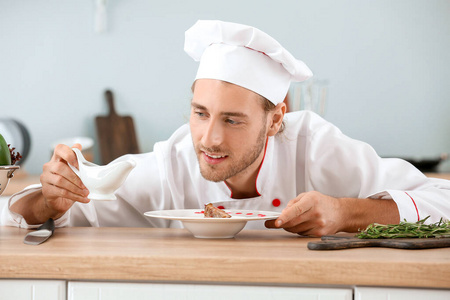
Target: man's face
[{"x": 228, "y": 126}]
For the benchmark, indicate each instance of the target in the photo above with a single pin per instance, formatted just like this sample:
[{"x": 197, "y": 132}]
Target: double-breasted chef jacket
[{"x": 311, "y": 154}]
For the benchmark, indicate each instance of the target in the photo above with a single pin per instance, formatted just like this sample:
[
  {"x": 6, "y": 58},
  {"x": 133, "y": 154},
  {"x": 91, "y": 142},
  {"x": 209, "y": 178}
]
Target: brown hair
[
  {"x": 266, "y": 105},
  {"x": 269, "y": 106}
]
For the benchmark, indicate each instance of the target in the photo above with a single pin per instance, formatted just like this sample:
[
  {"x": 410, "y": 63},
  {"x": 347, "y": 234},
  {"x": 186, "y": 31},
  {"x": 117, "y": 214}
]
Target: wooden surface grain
[{"x": 174, "y": 255}]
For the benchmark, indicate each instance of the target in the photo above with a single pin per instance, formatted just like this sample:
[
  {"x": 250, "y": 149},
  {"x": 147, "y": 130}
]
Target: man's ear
[{"x": 276, "y": 118}]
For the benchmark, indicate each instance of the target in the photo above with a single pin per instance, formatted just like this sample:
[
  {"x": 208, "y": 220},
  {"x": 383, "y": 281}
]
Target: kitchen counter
[
  {"x": 252, "y": 257},
  {"x": 438, "y": 175}
]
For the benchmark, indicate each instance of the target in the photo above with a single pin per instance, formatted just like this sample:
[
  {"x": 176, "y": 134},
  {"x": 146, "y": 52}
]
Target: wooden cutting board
[
  {"x": 333, "y": 242},
  {"x": 116, "y": 134}
]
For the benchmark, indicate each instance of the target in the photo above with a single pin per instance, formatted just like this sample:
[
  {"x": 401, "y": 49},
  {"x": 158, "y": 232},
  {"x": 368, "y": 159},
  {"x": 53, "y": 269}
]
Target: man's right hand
[{"x": 61, "y": 188}]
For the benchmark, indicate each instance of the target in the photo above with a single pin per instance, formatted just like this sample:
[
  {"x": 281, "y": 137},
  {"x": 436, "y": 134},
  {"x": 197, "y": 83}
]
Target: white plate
[
  {"x": 85, "y": 142},
  {"x": 201, "y": 227},
  {"x": 237, "y": 215}
]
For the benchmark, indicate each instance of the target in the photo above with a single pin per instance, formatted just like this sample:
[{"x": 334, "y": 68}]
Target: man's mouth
[{"x": 213, "y": 158}]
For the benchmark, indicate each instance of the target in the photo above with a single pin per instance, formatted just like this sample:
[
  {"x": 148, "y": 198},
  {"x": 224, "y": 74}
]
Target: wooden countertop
[
  {"x": 438, "y": 175},
  {"x": 174, "y": 255}
]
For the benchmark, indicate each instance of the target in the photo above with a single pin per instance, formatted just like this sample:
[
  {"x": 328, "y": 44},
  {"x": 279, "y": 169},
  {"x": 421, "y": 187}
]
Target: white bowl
[
  {"x": 6, "y": 173},
  {"x": 213, "y": 228}
]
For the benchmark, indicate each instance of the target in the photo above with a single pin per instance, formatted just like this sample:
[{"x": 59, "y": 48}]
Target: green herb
[{"x": 405, "y": 229}]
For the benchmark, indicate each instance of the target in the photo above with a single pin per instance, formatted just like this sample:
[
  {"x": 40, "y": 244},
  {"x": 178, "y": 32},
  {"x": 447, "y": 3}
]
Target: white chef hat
[{"x": 245, "y": 56}]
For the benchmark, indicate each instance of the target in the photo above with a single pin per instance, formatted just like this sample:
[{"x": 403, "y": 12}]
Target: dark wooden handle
[
  {"x": 110, "y": 100},
  {"x": 49, "y": 225},
  {"x": 337, "y": 243}
]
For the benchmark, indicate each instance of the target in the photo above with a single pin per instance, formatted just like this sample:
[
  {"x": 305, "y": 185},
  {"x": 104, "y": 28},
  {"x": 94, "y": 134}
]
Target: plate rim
[{"x": 193, "y": 218}]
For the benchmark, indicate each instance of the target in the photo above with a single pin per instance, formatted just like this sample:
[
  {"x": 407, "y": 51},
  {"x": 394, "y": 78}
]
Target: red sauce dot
[
  {"x": 221, "y": 207},
  {"x": 238, "y": 213},
  {"x": 276, "y": 202},
  {"x": 249, "y": 214},
  {"x": 261, "y": 215}
]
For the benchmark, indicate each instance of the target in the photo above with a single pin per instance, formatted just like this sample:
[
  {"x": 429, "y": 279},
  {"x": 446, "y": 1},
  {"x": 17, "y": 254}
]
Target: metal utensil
[{"x": 43, "y": 233}]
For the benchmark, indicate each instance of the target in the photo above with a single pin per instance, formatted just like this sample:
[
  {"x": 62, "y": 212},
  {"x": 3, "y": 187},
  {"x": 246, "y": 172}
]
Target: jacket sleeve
[
  {"x": 339, "y": 166},
  {"x": 10, "y": 218},
  {"x": 142, "y": 191}
]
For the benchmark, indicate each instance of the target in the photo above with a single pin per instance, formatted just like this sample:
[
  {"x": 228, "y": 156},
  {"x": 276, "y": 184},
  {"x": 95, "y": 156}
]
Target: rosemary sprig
[{"x": 405, "y": 229}]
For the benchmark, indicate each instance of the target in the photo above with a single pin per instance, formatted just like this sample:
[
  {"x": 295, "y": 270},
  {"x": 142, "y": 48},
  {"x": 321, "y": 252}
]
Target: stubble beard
[{"x": 213, "y": 172}]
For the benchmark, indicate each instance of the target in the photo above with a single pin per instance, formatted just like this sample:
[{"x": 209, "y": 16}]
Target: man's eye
[
  {"x": 232, "y": 122},
  {"x": 199, "y": 114}
]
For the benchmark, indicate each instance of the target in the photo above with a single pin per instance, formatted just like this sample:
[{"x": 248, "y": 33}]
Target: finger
[
  {"x": 77, "y": 145},
  {"x": 53, "y": 193},
  {"x": 65, "y": 153},
  {"x": 65, "y": 176},
  {"x": 278, "y": 222},
  {"x": 301, "y": 225},
  {"x": 61, "y": 169},
  {"x": 310, "y": 225},
  {"x": 294, "y": 211},
  {"x": 272, "y": 223},
  {"x": 291, "y": 203},
  {"x": 301, "y": 229},
  {"x": 64, "y": 184},
  {"x": 294, "y": 201}
]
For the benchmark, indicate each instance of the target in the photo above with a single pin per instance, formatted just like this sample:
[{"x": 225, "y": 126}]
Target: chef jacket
[{"x": 311, "y": 154}]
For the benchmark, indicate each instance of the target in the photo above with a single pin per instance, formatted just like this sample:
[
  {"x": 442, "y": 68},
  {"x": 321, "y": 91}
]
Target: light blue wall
[{"x": 387, "y": 62}]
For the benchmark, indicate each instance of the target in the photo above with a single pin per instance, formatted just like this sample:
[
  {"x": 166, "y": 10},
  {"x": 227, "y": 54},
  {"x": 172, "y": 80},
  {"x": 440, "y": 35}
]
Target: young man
[{"x": 233, "y": 154}]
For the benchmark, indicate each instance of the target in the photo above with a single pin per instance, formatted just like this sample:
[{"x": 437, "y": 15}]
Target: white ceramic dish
[
  {"x": 102, "y": 181},
  {"x": 201, "y": 227}
]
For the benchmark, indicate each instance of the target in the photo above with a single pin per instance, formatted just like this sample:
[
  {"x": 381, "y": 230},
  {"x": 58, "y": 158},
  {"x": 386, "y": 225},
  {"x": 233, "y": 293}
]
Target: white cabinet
[
  {"x": 32, "y": 289},
  {"x": 371, "y": 293},
  {"x": 169, "y": 291},
  {"x": 78, "y": 290}
]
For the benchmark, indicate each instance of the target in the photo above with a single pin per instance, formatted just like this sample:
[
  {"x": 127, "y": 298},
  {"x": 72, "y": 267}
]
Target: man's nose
[{"x": 213, "y": 135}]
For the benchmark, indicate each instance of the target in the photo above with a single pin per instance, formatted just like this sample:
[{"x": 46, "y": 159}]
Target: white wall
[{"x": 387, "y": 63}]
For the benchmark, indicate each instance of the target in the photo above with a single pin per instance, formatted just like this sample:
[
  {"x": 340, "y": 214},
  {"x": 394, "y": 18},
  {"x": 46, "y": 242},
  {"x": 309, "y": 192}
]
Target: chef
[{"x": 241, "y": 150}]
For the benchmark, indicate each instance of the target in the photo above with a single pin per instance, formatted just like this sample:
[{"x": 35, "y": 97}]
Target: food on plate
[
  {"x": 405, "y": 229},
  {"x": 214, "y": 212}
]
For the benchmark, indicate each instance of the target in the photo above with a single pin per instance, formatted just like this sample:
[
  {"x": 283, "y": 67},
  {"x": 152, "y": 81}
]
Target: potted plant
[{"x": 8, "y": 158}]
